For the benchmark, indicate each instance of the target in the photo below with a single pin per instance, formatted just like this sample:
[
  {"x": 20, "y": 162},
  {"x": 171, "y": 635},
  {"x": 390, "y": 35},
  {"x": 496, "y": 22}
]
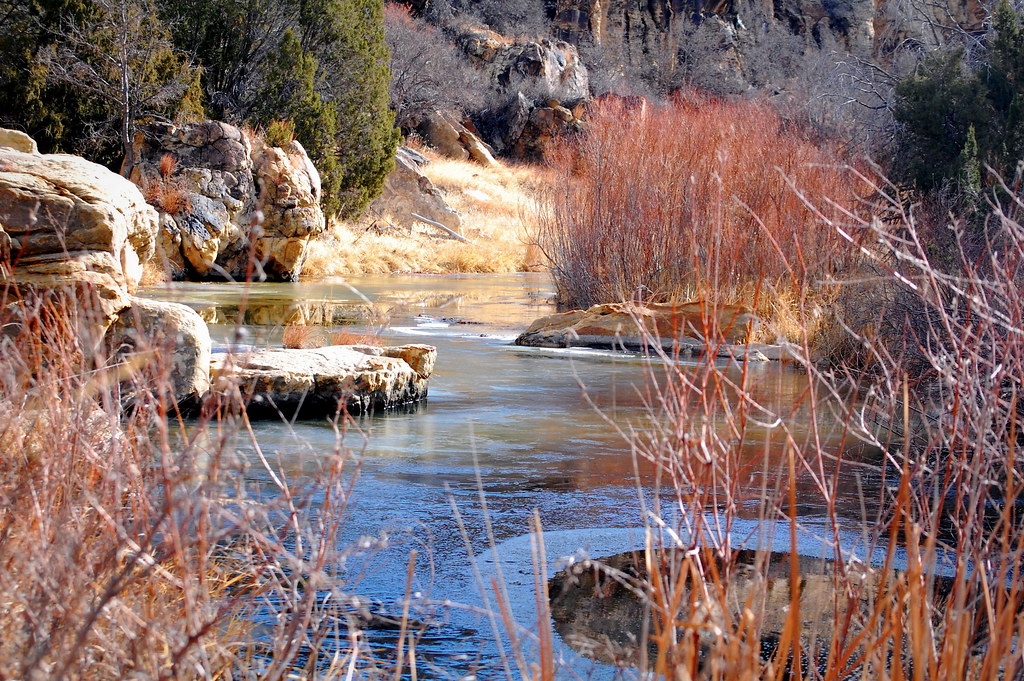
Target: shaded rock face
[
  {"x": 618, "y": 325},
  {"x": 316, "y": 382},
  {"x": 68, "y": 223},
  {"x": 162, "y": 335},
  {"x": 528, "y": 130},
  {"x": 551, "y": 68},
  {"x": 407, "y": 191},
  {"x": 222, "y": 194}
]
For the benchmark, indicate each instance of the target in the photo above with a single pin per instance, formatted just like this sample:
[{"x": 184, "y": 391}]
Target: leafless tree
[
  {"x": 125, "y": 61},
  {"x": 428, "y": 73}
]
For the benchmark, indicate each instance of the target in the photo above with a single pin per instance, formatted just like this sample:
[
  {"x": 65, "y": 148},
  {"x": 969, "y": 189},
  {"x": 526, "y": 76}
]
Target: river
[{"x": 522, "y": 428}]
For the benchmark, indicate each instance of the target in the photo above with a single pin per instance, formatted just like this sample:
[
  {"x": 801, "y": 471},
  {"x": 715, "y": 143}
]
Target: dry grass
[
  {"x": 492, "y": 203},
  {"x": 132, "y": 548}
]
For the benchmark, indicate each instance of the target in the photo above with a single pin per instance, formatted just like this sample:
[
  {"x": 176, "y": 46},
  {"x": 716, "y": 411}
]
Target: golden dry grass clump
[{"x": 494, "y": 203}]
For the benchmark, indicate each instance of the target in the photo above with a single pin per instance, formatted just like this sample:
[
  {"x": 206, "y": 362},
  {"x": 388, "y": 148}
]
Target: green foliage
[
  {"x": 366, "y": 136},
  {"x": 957, "y": 120},
  {"x": 321, "y": 64},
  {"x": 81, "y": 75},
  {"x": 280, "y": 133}
]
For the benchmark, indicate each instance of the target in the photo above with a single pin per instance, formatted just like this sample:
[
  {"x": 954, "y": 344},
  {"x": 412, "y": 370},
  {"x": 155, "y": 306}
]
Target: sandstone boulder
[
  {"x": 407, "y": 191},
  {"x": 18, "y": 141},
  {"x": 690, "y": 328},
  {"x": 313, "y": 383},
  {"x": 71, "y": 224},
  {"x": 289, "y": 197},
  {"x": 452, "y": 138},
  {"x": 158, "y": 336}
]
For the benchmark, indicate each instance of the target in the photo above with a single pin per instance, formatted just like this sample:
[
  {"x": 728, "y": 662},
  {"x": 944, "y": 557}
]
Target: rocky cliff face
[{"x": 641, "y": 32}]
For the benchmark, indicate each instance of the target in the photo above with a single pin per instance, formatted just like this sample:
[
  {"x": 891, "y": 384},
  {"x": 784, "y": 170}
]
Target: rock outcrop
[
  {"x": 687, "y": 328},
  {"x": 163, "y": 339},
  {"x": 526, "y": 129},
  {"x": 222, "y": 196},
  {"x": 408, "y": 191},
  {"x": 289, "y": 198},
  {"x": 642, "y": 34},
  {"x": 69, "y": 224},
  {"x": 317, "y": 382},
  {"x": 551, "y": 68},
  {"x": 453, "y": 138}
]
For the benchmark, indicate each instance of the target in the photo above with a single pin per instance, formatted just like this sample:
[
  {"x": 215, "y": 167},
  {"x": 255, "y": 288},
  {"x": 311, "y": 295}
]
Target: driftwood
[{"x": 453, "y": 234}]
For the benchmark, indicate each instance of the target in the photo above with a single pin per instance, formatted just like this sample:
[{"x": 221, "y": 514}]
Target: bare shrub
[
  {"x": 923, "y": 550},
  {"x": 134, "y": 549},
  {"x": 302, "y": 336},
  {"x": 699, "y": 197},
  {"x": 427, "y": 72}
]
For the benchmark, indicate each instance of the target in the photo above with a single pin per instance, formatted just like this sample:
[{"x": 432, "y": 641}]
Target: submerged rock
[
  {"x": 601, "y": 608},
  {"x": 689, "y": 328},
  {"x": 319, "y": 382}
]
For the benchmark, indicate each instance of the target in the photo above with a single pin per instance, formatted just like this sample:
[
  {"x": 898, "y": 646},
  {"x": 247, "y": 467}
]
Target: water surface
[{"x": 524, "y": 428}]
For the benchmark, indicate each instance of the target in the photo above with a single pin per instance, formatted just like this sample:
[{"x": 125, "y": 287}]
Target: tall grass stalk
[
  {"x": 131, "y": 544},
  {"x": 940, "y": 406}
]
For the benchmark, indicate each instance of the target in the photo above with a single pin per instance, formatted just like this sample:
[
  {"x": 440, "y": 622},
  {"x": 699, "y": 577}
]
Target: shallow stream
[{"x": 519, "y": 426}]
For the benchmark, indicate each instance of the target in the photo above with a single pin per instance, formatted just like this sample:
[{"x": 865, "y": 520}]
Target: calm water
[{"x": 518, "y": 426}]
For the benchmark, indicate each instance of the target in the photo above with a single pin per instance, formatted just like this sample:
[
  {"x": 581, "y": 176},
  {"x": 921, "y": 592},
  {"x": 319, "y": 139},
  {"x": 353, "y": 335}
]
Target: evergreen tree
[
  {"x": 957, "y": 121},
  {"x": 290, "y": 94},
  {"x": 357, "y": 66}
]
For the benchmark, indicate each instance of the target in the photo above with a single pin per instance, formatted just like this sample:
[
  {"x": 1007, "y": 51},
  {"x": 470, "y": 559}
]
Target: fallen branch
[{"x": 454, "y": 234}]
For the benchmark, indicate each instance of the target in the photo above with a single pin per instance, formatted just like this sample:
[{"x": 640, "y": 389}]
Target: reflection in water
[
  {"x": 517, "y": 424},
  {"x": 605, "y": 608}
]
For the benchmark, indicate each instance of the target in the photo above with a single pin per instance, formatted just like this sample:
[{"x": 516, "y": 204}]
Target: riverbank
[{"x": 496, "y": 205}]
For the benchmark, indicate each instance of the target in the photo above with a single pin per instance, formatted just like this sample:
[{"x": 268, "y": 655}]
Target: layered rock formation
[
  {"x": 73, "y": 226},
  {"x": 642, "y": 33},
  {"x": 226, "y": 199},
  {"x": 548, "y": 68}
]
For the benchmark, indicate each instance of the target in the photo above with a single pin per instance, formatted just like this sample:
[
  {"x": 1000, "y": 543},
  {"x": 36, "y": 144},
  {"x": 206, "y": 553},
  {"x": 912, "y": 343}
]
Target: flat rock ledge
[
  {"x": 313, "y": 383},
  {"x": 679, "y": 330}
]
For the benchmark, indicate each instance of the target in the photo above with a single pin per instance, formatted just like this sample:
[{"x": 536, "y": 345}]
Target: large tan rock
[
  {"x": 161, "y": 339},
  {"x": 71, "y": 224},
  {"x": 317, "y": 382},
  {"x": 199, "y": 175},
  {"x": 407, "y": 191},
  {"x": 289, "y": 198},
  {"x": 18, "y": 141},
  {"x": 687, "y": 326}
]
